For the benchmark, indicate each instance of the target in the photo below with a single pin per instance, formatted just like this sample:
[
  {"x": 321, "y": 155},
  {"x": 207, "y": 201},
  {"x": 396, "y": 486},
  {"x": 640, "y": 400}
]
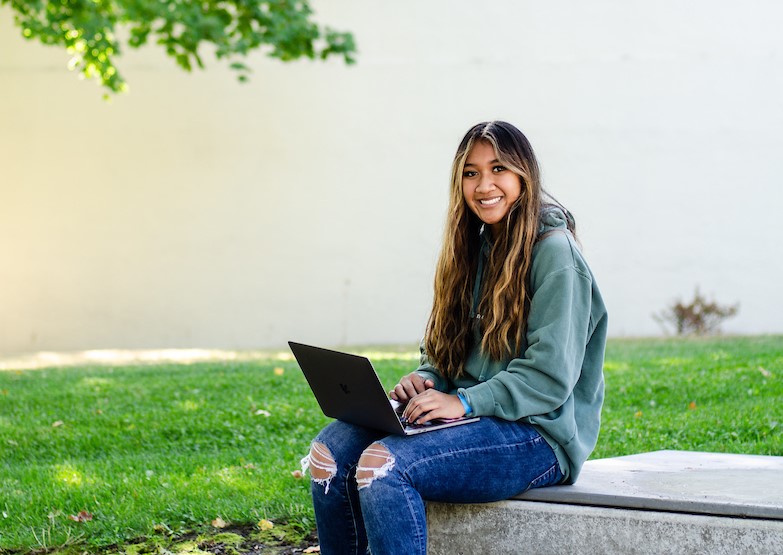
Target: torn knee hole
[
  {"x": 376, "y": 462},
  {"x": 321, "y": 464}
]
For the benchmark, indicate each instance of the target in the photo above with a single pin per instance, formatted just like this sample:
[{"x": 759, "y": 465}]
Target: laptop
[{"x": 347, "y": 388}]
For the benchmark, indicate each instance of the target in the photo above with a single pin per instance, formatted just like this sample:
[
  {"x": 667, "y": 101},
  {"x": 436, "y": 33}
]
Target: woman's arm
[
  {"x": 426, "y": 376},
  {"x": 560, "y": 322},
  {"x": 433, "y": 401},
  {"x": 543, "y": 378}
]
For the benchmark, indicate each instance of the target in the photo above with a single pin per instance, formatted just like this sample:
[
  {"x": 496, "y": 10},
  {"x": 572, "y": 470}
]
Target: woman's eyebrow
[{"x": 496, "y": 161}]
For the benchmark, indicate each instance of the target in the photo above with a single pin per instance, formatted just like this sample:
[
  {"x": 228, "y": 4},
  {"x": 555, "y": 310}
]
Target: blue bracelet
[{"x": 465, "y": 404}]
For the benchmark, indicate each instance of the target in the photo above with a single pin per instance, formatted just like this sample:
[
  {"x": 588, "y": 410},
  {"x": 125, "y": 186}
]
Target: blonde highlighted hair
[{"x": 505, "y": 295}]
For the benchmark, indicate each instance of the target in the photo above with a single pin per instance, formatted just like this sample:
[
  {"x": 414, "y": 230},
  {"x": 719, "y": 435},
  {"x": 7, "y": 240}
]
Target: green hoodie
[{"x": 556, "y": 383}]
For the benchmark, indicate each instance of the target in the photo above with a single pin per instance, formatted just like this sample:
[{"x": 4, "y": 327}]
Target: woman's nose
[{"x": 485, "y": 185}]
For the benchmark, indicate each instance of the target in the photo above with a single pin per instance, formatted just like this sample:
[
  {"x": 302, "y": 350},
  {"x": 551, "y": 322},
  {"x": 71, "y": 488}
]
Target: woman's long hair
[{"x": 505, "y": 295}]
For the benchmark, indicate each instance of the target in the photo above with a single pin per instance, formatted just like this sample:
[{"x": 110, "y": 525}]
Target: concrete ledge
[
  {"x": 678, "y": 481},
  {"x": 660, "y": 502},
  {"x": 533, "y": 527}
]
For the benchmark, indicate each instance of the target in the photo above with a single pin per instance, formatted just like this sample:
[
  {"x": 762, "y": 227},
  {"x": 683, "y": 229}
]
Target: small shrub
[{"x": 697, "y": 317}]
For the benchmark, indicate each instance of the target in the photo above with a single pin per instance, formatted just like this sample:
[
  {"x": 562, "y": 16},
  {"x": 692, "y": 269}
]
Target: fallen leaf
[
  {"x": 764, "y": 372},
  {"x": 83, "y": 516},
  {"x": 297, "y": 474},
  {"x": 57, "y": 424},
  {"x": 219, "y": 523},
  {"x": 250, "y": 466},
  {"x": 262, "y": 412},
  {"x": 265, "y": 524},
  {"x": 692, "y": 405},
  {"x": 3, "y": 392},
  {"x": 314, "y": 549},
  {"x": 279, "y": 371},
  {"x": 638, "y": 414}
]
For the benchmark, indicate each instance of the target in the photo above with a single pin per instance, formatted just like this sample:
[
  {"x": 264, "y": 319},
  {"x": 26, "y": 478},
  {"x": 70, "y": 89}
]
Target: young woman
[{"x": 516, "y": 336}]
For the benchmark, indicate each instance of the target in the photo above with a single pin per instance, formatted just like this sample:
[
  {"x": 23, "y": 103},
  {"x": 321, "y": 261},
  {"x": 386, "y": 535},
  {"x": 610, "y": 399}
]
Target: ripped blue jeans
[{"x": 369, "y": 488}]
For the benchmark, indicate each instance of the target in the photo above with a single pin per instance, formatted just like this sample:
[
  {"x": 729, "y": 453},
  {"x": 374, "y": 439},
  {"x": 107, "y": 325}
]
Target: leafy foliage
[
  {"x": 89, "y": 29},
  {"x": 697, "y": 317}
]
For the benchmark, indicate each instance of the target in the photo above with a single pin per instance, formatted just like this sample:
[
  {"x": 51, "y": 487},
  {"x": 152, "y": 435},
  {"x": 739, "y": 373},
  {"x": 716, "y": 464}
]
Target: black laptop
[{"x": 348, "y": 389}]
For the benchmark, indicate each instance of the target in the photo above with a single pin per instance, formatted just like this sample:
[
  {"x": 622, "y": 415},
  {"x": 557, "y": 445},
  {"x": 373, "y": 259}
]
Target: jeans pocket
[{"x": 552, "y": 476}]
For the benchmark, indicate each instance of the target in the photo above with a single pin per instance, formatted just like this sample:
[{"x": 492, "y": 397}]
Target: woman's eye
[
  {"x": 498, "y": 169},
  {"x": 469, "y": 173}
]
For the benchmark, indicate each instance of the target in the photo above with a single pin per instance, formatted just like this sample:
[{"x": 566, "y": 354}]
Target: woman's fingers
[
  {"x": 404, "y": 392},
  {"x": 433, "y": 404},
  {"x": 410, "y": 386}
]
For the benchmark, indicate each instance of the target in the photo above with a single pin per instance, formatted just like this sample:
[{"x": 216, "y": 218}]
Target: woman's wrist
[{"x": 465, "y": 404}]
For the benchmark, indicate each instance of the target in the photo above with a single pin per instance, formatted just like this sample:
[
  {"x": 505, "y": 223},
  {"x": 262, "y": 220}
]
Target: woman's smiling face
[{"x": 490, "y": 189}]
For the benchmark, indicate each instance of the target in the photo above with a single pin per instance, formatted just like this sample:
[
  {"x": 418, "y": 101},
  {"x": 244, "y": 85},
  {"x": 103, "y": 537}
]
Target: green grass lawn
[{"x": 151, "y": 449}]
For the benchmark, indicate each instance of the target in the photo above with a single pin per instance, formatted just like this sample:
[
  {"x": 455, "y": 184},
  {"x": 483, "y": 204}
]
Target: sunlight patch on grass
[
  {"x": 189, "y": 405},
  {"x": 95, "y": 382},
  {"x": 235, "y": 476},
  {"x": 124, "y": 357},
  {"x": 116, "y": 357},
  {"x": 385, "y": 355},
  {"x": 610, "y": 366},
  {"x": 673, "y": 362},
  {"x": 68, "y": 475}
]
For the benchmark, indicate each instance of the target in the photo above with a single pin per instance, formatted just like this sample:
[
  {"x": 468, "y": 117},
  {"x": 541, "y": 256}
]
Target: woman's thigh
[
  {"x": 489, "y": 460},
  {"x": 346, "y": 442}
]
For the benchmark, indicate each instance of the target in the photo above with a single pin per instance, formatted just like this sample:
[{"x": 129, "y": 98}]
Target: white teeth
[{"x": 489, "y": 201}]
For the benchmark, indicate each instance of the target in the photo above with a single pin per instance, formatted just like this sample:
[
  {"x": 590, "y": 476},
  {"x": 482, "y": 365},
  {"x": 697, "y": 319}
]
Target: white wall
[{"x": 309, "y": 204}]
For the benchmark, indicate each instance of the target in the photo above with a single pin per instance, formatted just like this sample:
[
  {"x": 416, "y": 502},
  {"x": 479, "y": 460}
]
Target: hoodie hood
[{"x": 553, "y": 218}]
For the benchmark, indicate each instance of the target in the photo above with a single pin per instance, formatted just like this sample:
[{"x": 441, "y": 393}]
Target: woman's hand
[
  {"x": 433, "y": 404},
  {"x": 410, "y": 386}
]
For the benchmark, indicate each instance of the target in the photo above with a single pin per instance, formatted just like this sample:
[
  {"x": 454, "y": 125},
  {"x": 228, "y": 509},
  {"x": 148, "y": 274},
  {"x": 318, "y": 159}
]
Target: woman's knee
[
  {"x": 321, "y": 464},
  {"x": 376, "y": 462}
]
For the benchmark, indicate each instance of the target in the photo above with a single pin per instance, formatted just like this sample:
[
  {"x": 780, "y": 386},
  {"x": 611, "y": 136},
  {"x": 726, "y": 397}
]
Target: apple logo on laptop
[{"x": 344, "y": 387}]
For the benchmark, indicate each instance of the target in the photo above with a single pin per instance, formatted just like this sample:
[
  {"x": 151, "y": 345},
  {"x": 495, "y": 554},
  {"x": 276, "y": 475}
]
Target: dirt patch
[
  {"x": 231, "y": 540},
  {"x": 248, "y": 540}
]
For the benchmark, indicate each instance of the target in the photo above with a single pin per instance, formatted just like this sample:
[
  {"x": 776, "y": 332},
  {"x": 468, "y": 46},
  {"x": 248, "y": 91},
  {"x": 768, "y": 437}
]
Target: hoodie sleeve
[{"x": 543, "y": 378}]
